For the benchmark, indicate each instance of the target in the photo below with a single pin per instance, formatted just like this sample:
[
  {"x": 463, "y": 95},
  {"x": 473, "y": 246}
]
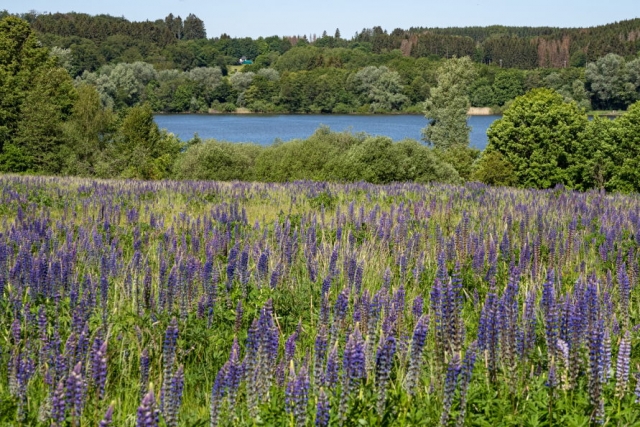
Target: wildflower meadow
[{"x": 131, "y": 303}]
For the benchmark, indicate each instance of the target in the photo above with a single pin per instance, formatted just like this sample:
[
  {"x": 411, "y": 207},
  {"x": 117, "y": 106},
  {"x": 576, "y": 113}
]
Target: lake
[{"x": 265, "y": 129}]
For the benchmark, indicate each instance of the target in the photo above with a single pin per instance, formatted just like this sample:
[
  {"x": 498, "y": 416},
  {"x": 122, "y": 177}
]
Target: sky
[{"x": 250, "y": 18}]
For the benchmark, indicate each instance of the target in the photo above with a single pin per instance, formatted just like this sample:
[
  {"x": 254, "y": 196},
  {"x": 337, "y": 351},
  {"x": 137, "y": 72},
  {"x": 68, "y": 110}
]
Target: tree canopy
[{"x": 538, "y": 136}]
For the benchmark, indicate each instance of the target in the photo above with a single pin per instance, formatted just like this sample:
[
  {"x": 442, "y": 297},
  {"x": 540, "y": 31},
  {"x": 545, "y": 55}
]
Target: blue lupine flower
[{"x": 322, "y": 410}]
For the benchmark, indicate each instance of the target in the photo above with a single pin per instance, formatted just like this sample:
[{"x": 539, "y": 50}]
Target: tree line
[
  {"x": 321, "y": 80},
  {"x": 330, "y": 74},
  {"x": 101, "y": 124},
  {"x": 173, "y": 42}
]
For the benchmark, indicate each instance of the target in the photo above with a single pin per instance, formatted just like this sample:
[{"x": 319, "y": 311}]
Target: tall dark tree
[
  {"x": 194, "y": 28},
  {"x": 174, "y": 24}
]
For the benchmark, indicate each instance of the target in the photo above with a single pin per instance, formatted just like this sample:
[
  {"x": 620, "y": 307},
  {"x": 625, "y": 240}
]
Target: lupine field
[{"x": 126, "y": 303}]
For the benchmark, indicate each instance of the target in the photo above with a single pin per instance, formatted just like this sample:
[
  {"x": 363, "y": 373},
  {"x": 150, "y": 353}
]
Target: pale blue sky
[{"x": 241, "y": 18}]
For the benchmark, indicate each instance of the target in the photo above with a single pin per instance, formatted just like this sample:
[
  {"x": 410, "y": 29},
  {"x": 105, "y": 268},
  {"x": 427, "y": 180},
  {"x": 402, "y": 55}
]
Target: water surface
[{"x": 265, "y": 129}]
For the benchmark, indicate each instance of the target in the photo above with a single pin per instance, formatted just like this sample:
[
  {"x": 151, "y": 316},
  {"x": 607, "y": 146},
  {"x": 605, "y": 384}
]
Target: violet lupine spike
[
  {"x": 466, "y": 374},
  {"x": 238, "y": 322},
  {"x": 450, "y": 384},
  {"x": 234, "y": 374},
  {"x": 108, "y": 417},
  {"x": 172, "y": 408},
  {"x": 290, "y": 390},
  {"x": 297, "y": 394},
  {"x": 76, "y": 391},
  {"x": 217, "y": 395},
  {"x": 147, "y": 414},
  {"x": 353, "y": 365},
  {"x": 144, "y": 372},
  {"x": 416, "y": 355},
  {"x": 290, "y": 346},
  {"x": 624, "y": 294},
  {"x": 322, "y": 410},
  {"x": 550, "y": 312},
  {"x": 417, "y": 307},
  {"x": 301, "y": 396},
  {"x": 330, "y": 377},
  {"x": 59, "y": 405},
  {"x": 99, "y": 366},
  {"x": 384, "y": 363},
  {"x": 169, "y": 347},
  {"x": 622, "y": 364},
  {"x": 596, "y": 370}
]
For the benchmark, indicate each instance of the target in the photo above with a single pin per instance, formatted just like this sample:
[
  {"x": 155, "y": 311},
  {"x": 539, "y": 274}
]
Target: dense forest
[
  {"x": 57, "y": 120},
  {"x": 173, "y": 66}
]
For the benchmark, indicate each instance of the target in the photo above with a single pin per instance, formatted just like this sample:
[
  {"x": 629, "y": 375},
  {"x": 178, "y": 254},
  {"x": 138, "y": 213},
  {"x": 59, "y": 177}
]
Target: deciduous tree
[{"x": 538, "y": 135}]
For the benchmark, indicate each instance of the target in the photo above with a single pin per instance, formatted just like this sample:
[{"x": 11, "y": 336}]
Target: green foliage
[
  {"x": 493, "y": 169},
  {"x": 627, "y": 149},
  {"x": 139, "y": 150},
  {"x": 325, "y": 155},
  {"x": 87, "y": 132},
  {"x": 461, "y": 157},
  {"x": 220, "y": 161},
  {"x": 613, "y": 85},
  {"x": 507, "y": 85},
  {"x": 448, "y": 104},
  {"x": 538, "y": 135},
  {"x": 595, "y": 162},
  {"x": 35, "y": 98}
]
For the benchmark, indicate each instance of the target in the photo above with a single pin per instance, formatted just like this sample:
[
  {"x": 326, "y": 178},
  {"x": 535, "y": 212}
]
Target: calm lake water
[{"x": 265, "y": 129}]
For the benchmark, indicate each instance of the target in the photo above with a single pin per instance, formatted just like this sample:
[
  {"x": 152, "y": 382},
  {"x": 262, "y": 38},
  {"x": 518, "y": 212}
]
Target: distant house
[{"x": 245, "y": 61}]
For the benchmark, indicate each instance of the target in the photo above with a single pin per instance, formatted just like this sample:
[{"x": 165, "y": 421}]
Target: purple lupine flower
[
  {"x": 418, "y": 306},
  {"x": 147, "y": 415},
  {"x": 290, "y": 346},
  {"x": 552, "y": 378},
  {"x": 231, "y": 267},
  {"x": 99, "y": 365},
  {"x": 439, "y": 317},
  {"x": 606, "y": 356},
  {"x": 59, "y": 404},
  {"x": 238, "y": 322},
  {"x": 217, "y": 394},
  {"x": 326, "y": 285},
  {"x": 108, "y": 418},
  {"x": 340, "y": 309},
  {"x": 415, "y": 357},
  {"x": 596, "y": 370},
  {"x": 465, "y": 379},
  {"x": 353, "y": 362},
  {"x": 275, "y": 276},
  {"x": 297, "y": 394},
  {"x": 144, "y": 373},
  {"x": 622, "y": 364},
  {"x": 263, "y": 265},
  {"x": 234, "y": 374},
  {"x": 320, "y": 354},
  {"x": 173, "y": 407},
  {"x": 450, "y": 383},
  {"x": 357, "y": 279},
  {"x": 333, "y": 261},
  {"x": 330, "y": 376},
  {"x": 354, "y": 370},
  {"x": 322, "y": 410},
  {"x": 384, "y": 363},
  {"x": 76, "y": 391},
  {"x": 624, "y": 294},
  {"x": 550, "y": 311},
  {"x": 169, "y": 347}
]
